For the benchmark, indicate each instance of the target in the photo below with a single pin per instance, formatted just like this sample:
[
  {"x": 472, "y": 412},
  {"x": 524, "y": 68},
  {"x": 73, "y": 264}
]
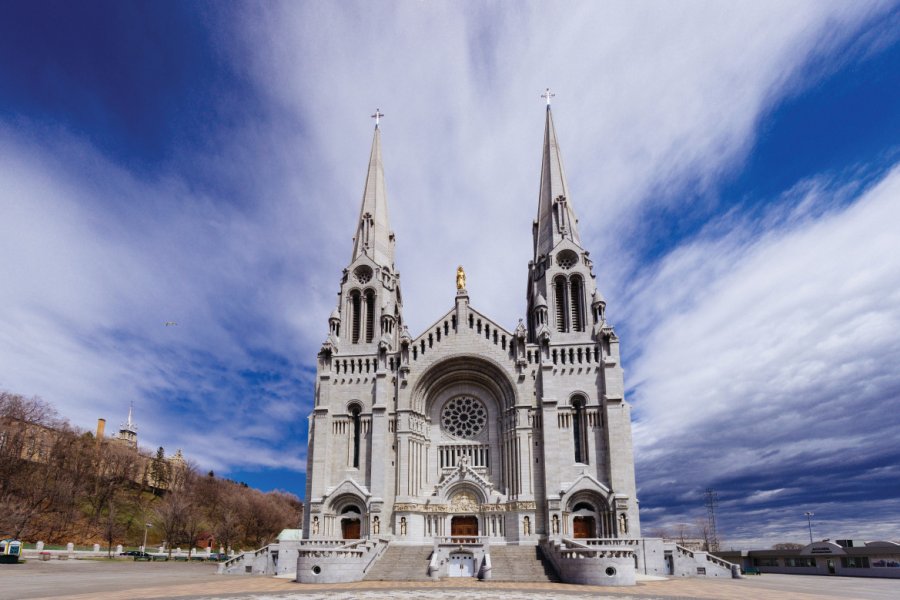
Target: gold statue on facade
[{"x": 460, "y": 278}]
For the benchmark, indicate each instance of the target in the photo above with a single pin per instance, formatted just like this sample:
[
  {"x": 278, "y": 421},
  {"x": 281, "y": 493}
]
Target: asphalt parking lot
[{"x": 126, "y": 580}]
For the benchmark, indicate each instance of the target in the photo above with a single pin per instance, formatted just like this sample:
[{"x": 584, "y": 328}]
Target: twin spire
[
  {"x": 555, "y": 221},
  {"x": 374, "y": 237},
  {"x": 556, "y": 217}
]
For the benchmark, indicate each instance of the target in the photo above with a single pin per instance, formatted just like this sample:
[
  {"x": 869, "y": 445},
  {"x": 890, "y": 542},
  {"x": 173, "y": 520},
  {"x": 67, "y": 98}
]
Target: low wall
[
  {"x": 345, "y": 564},
  {"x": 595, "y": 565}
]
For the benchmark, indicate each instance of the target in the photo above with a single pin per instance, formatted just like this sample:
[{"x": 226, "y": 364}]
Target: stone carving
[
  {"x": 623, "y": 523},
  {"x": 402, "y": 525},
  {"x": 526, "y": 526},
  {"x": 555, "y": 524},
  {"x": 460, "y": 278},
  {"x": 315, "y": 526},
  {"x": 463, "y": 502},
  {"x": 376, "y": 526}
]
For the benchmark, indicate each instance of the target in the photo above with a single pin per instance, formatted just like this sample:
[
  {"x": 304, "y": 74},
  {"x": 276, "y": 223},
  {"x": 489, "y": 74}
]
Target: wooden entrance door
[
  {"x": 350, "y": 529},
  {"x": 464, "y": 526},
  {"x": 583, "y": 527}
]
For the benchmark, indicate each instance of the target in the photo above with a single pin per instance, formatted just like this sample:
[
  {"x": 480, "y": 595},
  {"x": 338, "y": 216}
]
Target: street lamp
[
  {"x": 809, "y": 522},
  {"x": 147, "y": 526}
]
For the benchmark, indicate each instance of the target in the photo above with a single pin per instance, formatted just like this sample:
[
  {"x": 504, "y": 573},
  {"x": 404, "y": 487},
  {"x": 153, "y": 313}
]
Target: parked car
[{"x": 135, "y": 553}]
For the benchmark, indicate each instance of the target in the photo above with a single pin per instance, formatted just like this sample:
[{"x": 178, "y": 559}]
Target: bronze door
[
  {"x": 350, "y": 529},
  {"x": 583, "y": 526},
  {"x": 464, "y": 527}
]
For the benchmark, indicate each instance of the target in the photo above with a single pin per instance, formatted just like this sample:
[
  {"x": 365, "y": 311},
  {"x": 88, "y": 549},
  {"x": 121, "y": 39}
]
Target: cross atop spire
[
  {"x": 374, "y": 237},
  {"x": 547, "y": 95},
  {"x": 556, "y": 218}
]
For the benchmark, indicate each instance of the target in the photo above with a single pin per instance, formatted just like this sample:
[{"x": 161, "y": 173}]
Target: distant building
[
  {"x": 128, "y": 429},
  {"x": 34, "y": 442},
  {"x": 844, "y": 557}
]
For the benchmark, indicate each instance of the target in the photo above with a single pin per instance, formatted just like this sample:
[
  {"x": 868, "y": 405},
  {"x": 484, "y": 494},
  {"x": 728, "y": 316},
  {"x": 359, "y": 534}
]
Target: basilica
[{"x": 468, "y": 437}]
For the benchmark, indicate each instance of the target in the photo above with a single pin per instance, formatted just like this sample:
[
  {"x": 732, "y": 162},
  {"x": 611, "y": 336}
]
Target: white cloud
[
  {"x": 650, "y": 98},
  {"x": 772, "y": 357}
]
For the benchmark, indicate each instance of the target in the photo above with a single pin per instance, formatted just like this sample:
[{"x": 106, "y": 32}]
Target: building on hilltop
[
  {"x": 471, "y": 436},
  {"x": 128, "y": 429}
]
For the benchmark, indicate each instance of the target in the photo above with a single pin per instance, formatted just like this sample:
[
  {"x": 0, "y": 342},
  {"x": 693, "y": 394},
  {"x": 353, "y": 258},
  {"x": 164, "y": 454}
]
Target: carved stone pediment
[{"x": 464, "y": 501}]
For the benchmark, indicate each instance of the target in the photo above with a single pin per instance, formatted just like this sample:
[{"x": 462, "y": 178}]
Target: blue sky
[{"x": 734, "y": 168}]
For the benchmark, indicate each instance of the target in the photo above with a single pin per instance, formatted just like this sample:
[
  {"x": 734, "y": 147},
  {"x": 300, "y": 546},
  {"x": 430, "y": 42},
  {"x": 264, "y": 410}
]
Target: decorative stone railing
[
  {"x": 606, "y": 541},
  {"x": 461, "y": 540},
  {"x": 581, "y": 553},
  {"x": 330, "y": 543}
]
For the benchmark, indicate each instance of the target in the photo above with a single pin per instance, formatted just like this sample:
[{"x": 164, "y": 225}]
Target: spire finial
[
  {"x": 377, "y": 116},
  {"x": 547, "y": 95}
]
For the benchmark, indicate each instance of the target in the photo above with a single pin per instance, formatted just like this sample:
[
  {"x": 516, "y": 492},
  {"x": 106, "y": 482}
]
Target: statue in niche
[
  {"x": 623, "y": 523},
  {"x": 526, "y": 526},
  {"x": 402, "y": 525},
  {"x": 376, "y": 526},
  {"x": 555, "y": 524},
  {"x": 315, "y": 526},
  {"x": 460, "y": 278}
]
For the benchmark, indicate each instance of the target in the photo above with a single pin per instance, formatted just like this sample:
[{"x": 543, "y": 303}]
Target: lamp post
[
  {"x": 147, "y": 527},
  {"x": 809, "y": 522}
]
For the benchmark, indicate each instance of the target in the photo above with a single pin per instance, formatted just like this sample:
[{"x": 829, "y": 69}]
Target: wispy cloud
[
  {"x": 785, "y": 311},
  {"x": 772, "y": 360}
]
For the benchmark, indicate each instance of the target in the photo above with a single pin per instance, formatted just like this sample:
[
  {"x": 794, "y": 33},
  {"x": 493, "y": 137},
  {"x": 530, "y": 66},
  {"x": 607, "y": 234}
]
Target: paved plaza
[{"x": 124, "y": 580}]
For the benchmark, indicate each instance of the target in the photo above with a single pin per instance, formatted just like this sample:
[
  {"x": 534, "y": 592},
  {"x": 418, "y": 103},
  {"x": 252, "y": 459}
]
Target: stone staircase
[
  {"x": 520, "y": 563},
  {"x": 401, "y": 563}
]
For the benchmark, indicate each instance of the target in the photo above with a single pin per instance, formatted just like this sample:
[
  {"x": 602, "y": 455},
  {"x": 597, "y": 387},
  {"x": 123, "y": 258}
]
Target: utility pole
[
  {"x": 147, "y": 527},
  {"x": 712, "y": 501}
]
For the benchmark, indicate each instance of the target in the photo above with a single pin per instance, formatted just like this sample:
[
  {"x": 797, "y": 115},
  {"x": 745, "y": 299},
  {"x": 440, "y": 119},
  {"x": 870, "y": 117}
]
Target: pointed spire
[
  {"x": 130, "y": 425},
  {"x": 556, "y": 218},
  {"x": 374, "y": 237}
]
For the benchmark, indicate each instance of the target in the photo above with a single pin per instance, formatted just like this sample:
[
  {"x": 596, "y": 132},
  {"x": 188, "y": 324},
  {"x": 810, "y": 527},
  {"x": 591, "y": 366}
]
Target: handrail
[
  {"x": 433, "y": 565},
  {"x": 486, "y": 567},
  {"x": 231, "y": 561},
  {"x": 380, "y": 547}
]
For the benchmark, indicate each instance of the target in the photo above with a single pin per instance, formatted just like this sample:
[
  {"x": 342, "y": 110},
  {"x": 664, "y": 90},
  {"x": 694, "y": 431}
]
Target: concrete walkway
[{"x": 121, "y": 580}]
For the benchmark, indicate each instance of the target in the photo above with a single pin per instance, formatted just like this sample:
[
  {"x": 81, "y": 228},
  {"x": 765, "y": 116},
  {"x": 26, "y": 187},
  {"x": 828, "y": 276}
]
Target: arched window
[
  {"x": 354, "y": 415},
  {"x": 370, "y": 315},
  {"x": 355, "y": 315},
  {"x": 579, "y": 430},
  {"x": 559, "y": 291},
  {"x": 577, "y": 297}
]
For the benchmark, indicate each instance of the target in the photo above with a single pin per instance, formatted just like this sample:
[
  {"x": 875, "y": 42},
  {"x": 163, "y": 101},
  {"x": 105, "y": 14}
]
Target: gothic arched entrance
[
  {"x": 350, "y": 529},
  {"x": 464, "y": 526},
  {"x": 583, "y": 527},
  {"x": 351, "y": 521}
]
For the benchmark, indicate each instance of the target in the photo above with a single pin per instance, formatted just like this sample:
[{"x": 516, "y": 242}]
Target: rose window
[
  {"x": 363, "y": 274},
  {"x": 567, "y": 259},
  {"x": 463, "y": 417}
]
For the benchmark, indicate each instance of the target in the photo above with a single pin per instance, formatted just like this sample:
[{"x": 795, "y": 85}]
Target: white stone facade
[{"x": 470, "y": 429}]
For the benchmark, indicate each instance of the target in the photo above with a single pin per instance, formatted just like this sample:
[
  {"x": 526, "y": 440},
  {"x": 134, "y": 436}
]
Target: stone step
[
  {"x": 520, "y": 563},
  {"x": 402, "y": 563}
]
